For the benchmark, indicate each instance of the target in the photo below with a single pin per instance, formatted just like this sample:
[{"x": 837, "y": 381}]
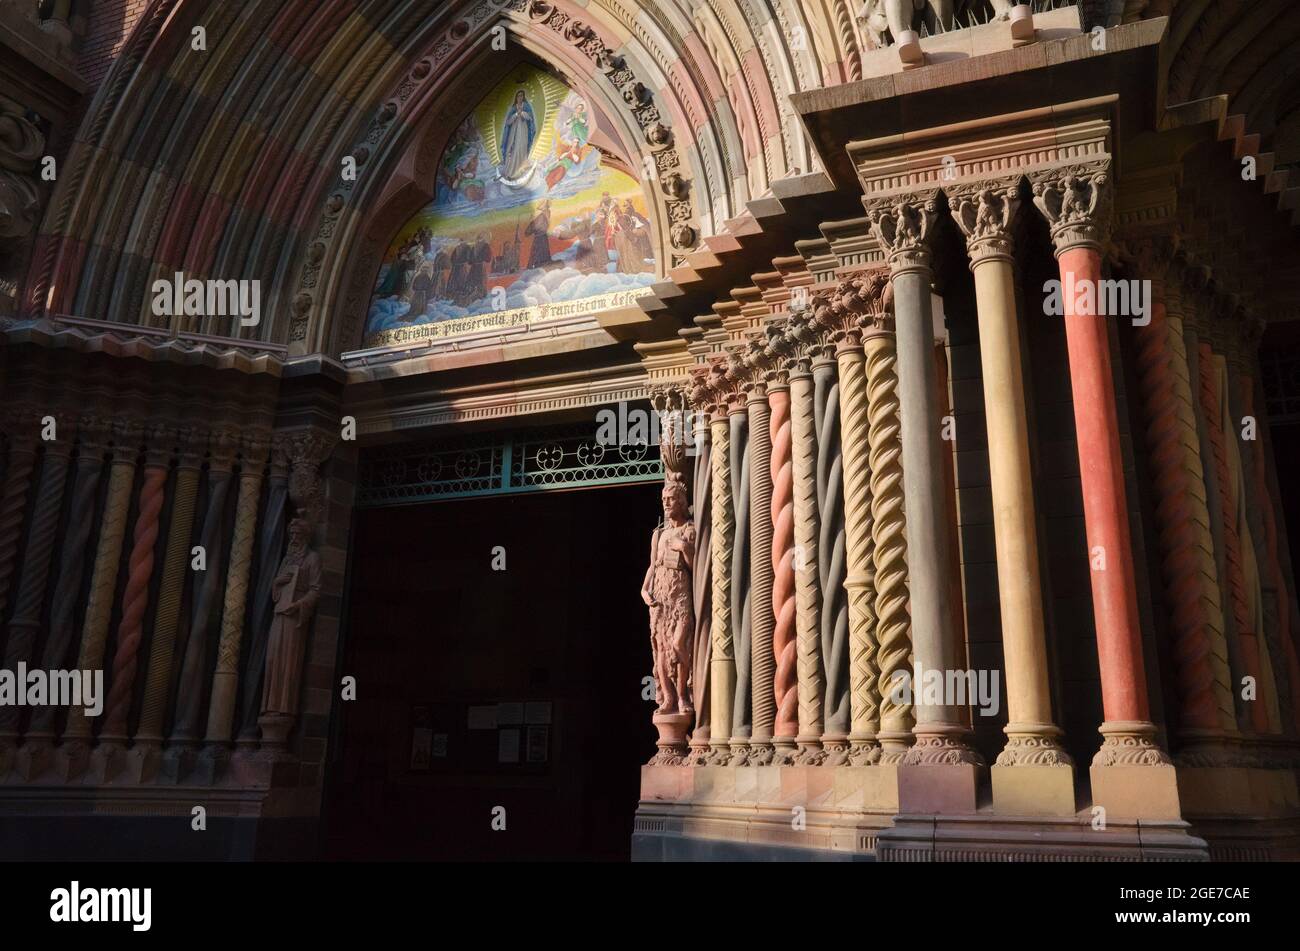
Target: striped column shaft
[
  {"x": 21, "y": 424},
  {"x": 135, "y": 597},
  {"x": 888, "y": 532},
  {"x": 38, "y": 555},
  {"x": 702, "y": 584},
  {"x": 831, "y": 561},
  {"x": 176, "y": 563},
  {"x": 741, "y": 712},
  {"x": 722, "y": 661},
  {"x": 67, "y": 588},
  {"x": 762, "y": 622},
  {"x": 103, "y": 578},
  {"x": 859, "y": 580},
  {"x": 225, "y": 678},
  {"x": 803, "y": 429},
  {"x": 784, "y": 649}
]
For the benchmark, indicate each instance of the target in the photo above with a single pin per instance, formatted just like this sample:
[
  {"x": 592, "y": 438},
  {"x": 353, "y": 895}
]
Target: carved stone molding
[
  {"x": 1033, "y": 750},
  {"x": 985, "y": 212},
  {"x": 1076, "y": 201},
  {"x": 1130, "y": 744}
]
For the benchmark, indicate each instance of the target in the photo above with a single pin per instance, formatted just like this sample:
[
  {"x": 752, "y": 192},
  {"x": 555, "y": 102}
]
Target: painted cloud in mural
[{"x": 526, "y": 212}]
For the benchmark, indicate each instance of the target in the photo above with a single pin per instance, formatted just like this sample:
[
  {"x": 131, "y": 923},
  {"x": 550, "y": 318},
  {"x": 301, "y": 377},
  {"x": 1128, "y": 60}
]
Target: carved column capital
[
  {"x": 65, "y": 423},
  {"x": 985, "y": 211},
  {"x": 255, "y": 449},
  {"x": 1076, "y": 201},
  {"x": 903, "y": 224},
  {"x": 754, "y": 357},
  {"x": 844, "y": 313},
  {"x": 22, "y": 425},
  {"x": 191, "y": 442},
  {"x": 778, "y": 348},
  {"x": 223, "y": 446},
  {"x": 307, "y": 450},
  {"x": 95, "y": 434},
  {"x": 128, "y": 434}
]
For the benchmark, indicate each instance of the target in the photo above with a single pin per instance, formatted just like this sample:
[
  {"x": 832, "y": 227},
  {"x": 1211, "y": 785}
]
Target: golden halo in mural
[{"x": 541, "y": 95}]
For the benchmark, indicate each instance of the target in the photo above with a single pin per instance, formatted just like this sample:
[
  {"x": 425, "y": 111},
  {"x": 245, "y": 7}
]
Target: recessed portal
[{"x": 499, "y": 646}]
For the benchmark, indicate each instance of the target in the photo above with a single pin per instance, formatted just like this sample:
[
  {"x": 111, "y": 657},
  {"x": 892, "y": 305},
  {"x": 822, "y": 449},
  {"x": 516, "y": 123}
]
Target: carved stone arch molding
[{"x": 397, "y": 153}]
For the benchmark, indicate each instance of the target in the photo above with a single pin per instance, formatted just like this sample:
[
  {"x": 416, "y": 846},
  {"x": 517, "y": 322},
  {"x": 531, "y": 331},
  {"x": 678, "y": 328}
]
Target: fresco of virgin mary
[{"x": 518, "y": 133}]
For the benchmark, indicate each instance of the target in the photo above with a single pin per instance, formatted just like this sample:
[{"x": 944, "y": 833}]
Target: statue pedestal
[
  {"x": 275, "y": 731},
  {"x": 673, "y": 728}
]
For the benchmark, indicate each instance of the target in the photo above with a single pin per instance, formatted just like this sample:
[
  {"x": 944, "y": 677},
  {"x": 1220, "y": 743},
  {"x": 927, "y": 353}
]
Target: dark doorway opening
[{"x": 494, "y": 696}]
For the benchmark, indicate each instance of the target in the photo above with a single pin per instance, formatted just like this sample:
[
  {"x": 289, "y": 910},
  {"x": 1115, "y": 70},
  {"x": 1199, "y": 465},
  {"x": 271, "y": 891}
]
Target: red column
[{"x": 1105, "y": 509}]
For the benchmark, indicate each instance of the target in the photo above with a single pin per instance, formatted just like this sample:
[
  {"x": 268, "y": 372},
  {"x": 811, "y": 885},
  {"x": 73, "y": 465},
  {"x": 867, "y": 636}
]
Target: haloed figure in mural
[
  {"x": 667, "y": 592},
  {"x": 517, "y": 137},
  {"x": 527, "y": 213}
]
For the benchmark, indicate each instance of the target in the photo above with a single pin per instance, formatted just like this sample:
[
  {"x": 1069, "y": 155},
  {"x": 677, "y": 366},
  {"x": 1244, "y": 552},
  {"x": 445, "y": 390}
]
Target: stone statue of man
[
  {"x": 667, "y": 592},
  {"x": 294, "y": 593}
]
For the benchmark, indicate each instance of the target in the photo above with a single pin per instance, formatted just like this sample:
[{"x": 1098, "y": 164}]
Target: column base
[
  {"x": 1033, "y": 790},
  {"x": 810, "y": 750},
  {"x": 739, "y": 753},
  {"x": 835, "y": 746},
  {"x": 672, "y": 728},
  {"x": 785, "y": 751},
  {"x": 1136, "y": 792}
]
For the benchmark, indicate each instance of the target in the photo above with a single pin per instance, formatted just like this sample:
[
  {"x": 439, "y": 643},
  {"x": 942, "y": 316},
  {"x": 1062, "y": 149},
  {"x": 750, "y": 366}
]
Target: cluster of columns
[
  {"x": 162, "y": 523},
  {"x": 832, "y": 527},
  {"x": 1227, "y": 580}
]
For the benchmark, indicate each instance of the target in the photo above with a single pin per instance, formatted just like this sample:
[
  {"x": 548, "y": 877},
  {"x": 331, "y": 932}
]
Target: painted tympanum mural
[{"x": 530, "y": 221}]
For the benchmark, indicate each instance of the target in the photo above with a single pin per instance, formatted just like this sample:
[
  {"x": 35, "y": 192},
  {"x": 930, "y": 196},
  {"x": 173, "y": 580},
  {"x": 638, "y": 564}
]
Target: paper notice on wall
[
  {"x": 538, "y": 711},
  {"x": 483, "y": 718},
  {"x": 508, "y": 746}
]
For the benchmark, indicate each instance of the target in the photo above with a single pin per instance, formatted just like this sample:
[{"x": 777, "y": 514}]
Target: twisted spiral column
[
  {"x": 1182, "y": 517},
  {"x": 831, "y": 561},
  {"x": 21, "y": 425},
  {"x": 763, "y": 621},
  {"x": 1235, "y": 588},
  {"x": 784, "y": 648},
  {"x": 808, "y": 595},
  {"x": 702, "y": 585},
  {"x": 1268, "y": 543},
  {"x": 859, "y": 581},
  {"x": 176, "y": 562},
  {"x": 270, "y": 545},
  {"x": 741, "y": 594},
  {"x": 722, "y": 663},
  {"x": 37, "y": 558},
  {"x": 225, "y": 678},
  {"x": 103, "y": 578},
  {"x": 135, "y": 597},
  {"x": 67, "y": 588},
  {"x": 189, "y": 692},
  {"x": 888, "y": 532}
]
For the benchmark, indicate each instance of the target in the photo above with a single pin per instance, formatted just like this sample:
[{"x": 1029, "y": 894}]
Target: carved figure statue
[
  {"x": 667, "y": 592},
  {"x": 294, "y": 592}
]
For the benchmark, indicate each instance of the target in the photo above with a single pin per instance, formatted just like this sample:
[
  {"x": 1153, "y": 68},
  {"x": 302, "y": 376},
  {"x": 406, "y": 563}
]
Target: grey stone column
[{"x": 903, "y": 226}]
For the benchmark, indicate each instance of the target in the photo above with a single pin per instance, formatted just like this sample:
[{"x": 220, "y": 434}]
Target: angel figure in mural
[
  {"x": 573, "y": 145},
  {"x": 667, "y": 592},
  {"x": 518, "y": 133}
]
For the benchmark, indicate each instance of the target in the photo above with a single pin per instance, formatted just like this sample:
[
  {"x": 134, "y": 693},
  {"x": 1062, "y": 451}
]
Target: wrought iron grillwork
[{"x": 501, "y": 463}]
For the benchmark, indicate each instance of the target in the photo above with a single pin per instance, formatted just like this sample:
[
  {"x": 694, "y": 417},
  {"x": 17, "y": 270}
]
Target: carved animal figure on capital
[
  {"x": 667, "y": 592},
  {"x": 886, "y": 19}
]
